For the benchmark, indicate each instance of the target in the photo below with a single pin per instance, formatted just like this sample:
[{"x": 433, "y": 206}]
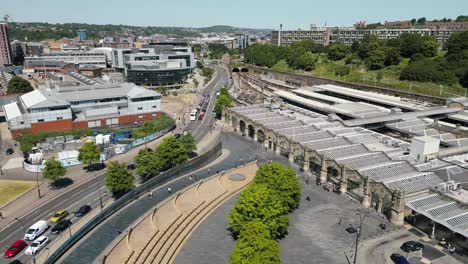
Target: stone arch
[
  {"x": 260, "y": 135},
  {"x": 355, "y": 183},
  {"x": 299, "y": 155},
  {"x": 242, "y": 127},
  {"x": 234, "y": 122},
  {"x": 332, "y": 172},
  {"x": 250, "y": 131},
  {"x": 284, "y": 148},
  {"x": 387, "y": 205},
  {"x": 315, "y": 164},
  {"x": 236, "y": 70},
  {"x": 375, "y": 201}
]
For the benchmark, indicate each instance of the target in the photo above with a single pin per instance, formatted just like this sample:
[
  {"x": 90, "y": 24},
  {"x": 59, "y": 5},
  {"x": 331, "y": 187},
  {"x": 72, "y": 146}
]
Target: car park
[
  {"x": 83, "y": 210},
  {"x": 15, "y": 248},
  {"x": 37, "y": 245},
  {"x": 61, "y": 226},
  {"x": 399, "y": 259},
  {"x": 411, "y": 246},
  {"x": 59, "y": 215},
  {"x": 36, "y": 230}
]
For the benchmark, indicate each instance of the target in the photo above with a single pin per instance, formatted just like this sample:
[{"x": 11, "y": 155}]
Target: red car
[{"x": 15, "y": 248}]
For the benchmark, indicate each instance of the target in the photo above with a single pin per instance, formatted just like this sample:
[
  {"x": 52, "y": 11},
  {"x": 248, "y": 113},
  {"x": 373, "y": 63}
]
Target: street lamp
[{"x": 358, "y": 235}]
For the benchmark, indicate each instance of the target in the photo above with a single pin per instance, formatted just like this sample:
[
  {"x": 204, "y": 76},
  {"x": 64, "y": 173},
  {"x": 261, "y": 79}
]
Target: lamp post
[{"x": 358, "y": 235}]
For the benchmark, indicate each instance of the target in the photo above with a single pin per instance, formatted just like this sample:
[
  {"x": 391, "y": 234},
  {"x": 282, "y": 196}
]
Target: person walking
[
  {"x": 339, "y": 222},
  {"x": 169, "y": 190}
]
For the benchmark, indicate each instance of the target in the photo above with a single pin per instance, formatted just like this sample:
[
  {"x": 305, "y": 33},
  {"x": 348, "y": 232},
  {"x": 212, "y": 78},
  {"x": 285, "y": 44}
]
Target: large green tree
[
  {"x": 118, "y": 179},
  {"x": 19, "y": 85},
  {"x": 53, "y": 170},
  {"x": 283, "y": 180},
  {"x": 147, "y": 164},
  {"x": 375, "y": 59},
  {"x": 260, "y": 202},
  {"x": 171, "y": 153},
  {"x": 338, "y": 51},
  {"x": 255, "y": 246},
  {"x": 188, "y": 143},
  {"x": 89, "y": 153},
  {"x": 223, "y": 101}
]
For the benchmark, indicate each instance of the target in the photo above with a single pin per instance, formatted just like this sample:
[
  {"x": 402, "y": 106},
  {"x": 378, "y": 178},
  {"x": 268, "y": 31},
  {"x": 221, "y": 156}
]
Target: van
[{"x": 36, "y": 230}]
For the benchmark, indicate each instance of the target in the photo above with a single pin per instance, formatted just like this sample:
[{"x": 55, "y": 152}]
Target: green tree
[
  {"x": 429, "y": 47},
  {"x": 283, "y": 180},
  {"x": 18, "y": 85},
  {"x": 376, "y": 59},
  {"x": 464, "y": 80},
  {"x": 341, "y": 70},
  {"x": 368, "y": 44},
  {"x": 223, "y": 101},
  {"x": 260, "y": 202},
  {"x": 338, "y": 51},
  {"x": 89, "y": 153},
  {"x": 188, "y": 143},
  {"x": 147, "y": 164},
  {"x": 392, "y": 56},
  {"x": 306, "y": 62},
  {"x": 118, "y": 179},
  {"x": 171, "y": 153},
  {"x": 255, "y": 246},
  {"x": 421, "y": 20},
  {"x": 53, "y": 170}
]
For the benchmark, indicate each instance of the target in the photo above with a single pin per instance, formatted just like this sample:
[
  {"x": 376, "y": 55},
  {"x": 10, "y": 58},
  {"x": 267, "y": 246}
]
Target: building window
[
  {"x": 140, "y": 116},
  {"x": 154, "y": 106},
  {"x": 40, "y": 120},
  {"x": 22, "y": 123},
  {"x": 140, "y": 108},
  {"x": 59, "y": 118},
  {"x": 154, "y": 114}
]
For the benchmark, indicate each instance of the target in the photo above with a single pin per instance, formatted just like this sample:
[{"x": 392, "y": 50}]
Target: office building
[
  {"x": 78, "y": 107},
  {"x": 157, "y": 72},
  {"x": 82, "y": 34},
  {"x": 5, "y": 46},
  {"x": 80, "y": 58}
]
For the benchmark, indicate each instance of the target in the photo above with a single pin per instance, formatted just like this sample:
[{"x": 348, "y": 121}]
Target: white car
[{"x": 37, "y": 245}]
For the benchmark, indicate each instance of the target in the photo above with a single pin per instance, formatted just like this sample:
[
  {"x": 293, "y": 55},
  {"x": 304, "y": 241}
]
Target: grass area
[
  {"x": 10, "y": 190},
  {"x": 387, "y": 77}
]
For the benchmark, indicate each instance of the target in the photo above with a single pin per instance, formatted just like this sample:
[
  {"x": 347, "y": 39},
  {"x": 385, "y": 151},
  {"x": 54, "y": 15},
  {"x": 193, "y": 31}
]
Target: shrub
[{"x": 341, "y": 70}]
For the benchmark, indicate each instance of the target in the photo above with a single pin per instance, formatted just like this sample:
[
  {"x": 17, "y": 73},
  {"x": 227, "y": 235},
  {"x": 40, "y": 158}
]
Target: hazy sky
[{"x": 242, "y": 13}]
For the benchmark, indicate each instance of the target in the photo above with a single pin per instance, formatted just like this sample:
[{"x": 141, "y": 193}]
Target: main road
[{"x": 88, "y": 192}]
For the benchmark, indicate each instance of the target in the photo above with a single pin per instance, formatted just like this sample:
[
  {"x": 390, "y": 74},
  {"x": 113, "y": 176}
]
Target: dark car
[
  {"x": 351, "y": 230},
  {"x": 399, "y": 259},
  {"x": 83, "y": 210},
  {"x": 61, "y": 226},
  {"x": 410, "y": 246},
  {"x": 14, "y": 248},
  {"x": 16, "y": 262},
  {"x": 9, "y": 151}
]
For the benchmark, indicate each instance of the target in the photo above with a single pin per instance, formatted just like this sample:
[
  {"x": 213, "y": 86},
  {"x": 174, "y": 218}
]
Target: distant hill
[{"x": 37, "y": 31}]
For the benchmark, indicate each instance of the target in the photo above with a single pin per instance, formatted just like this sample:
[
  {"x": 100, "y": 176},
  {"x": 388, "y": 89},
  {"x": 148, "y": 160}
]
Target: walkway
[{"x": 157, "y": 237}]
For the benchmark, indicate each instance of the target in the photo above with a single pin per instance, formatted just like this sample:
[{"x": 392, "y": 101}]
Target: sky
[{"x": 293, "y": 14}]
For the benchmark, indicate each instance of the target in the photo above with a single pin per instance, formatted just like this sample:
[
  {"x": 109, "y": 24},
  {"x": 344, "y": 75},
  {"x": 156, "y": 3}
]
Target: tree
[
  {"x": 118, "y": 179},
  {"x": 427, "y": 70},
  {"x": 341, "y": 70},
  {"x": 413, "y": 21},
  {"x": 147, "y": 164},
  {"x": 171, "y": 153},
  {"x": 376, "y": 59},
  {"x": 457, "y": 47},
  {"x": 306, "y": 62},
  {"x": 392, "y": 57},
  {"x": 255, "y": 246},
  {"x": 188, "y": 143},
  {"x": 53, "y": 170},
  {"x": 223, "y": 101},
  {"x": 368, "y": 44},
  {"x": 89, "y": 153},
  {"x": 283, "y": 180},
  {"x": 421, "y": 20},
  {"x": 464, "y": 80},
  {"x": 19, "y": 85},
  {"x": 260, "y": 202},
  {"x": 429, "y": 47},
  {"x": 338, "y": 51}
]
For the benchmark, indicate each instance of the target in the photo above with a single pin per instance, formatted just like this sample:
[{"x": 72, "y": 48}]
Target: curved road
[{"x": 87, "y": 193}]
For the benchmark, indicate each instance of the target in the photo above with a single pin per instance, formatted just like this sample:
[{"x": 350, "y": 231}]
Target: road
[{"x": 87, "y": 193}]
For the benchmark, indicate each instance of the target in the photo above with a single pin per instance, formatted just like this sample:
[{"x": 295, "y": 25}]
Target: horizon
[{"x": 260, "y": 14}]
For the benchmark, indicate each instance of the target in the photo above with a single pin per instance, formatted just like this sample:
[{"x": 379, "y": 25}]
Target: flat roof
[{"x": 12, "y": 111}]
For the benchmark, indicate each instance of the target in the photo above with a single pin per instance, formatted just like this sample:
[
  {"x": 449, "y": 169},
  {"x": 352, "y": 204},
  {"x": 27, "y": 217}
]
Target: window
[
  {"x": 154, "y": 106},
  {"x": 140, "y": 108},
  {"x": 140, "y": 116},
  {"x": 59, "y": 118},
  {"x": 22, "y": 123},
  {"x": 40, "y": 120}
]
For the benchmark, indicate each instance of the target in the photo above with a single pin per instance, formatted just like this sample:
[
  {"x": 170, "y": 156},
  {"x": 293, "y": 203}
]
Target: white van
[
  {"x": 193, "y": 115},
  {"x": 36, "y": 230}
]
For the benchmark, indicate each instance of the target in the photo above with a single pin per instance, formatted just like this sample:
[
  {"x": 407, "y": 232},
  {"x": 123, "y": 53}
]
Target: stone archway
[
  {"x": 387, "y": 206},
  {"x": 251, "y": 131},
  {"x": 314, "y": 165},
  {"x": 234, "y": 122},
  {"x": 242, "y": 127},
  {"x": 299, "y": 157},
  {"x": 332, "y": 172},
  {"x": 375, "y": 201},
  {"x": 260, "y": 136},
  {"x": 284, "y": 148}
]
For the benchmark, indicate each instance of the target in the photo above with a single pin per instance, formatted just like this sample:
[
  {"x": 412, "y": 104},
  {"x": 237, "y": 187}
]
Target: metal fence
[{"x": 160, "y": 179}]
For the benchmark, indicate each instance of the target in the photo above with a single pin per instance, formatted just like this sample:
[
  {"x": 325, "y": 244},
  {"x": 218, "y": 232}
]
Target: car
[
  {"x": 399, "y": 259},
  {"x": 37, "y": 245},
  {"x": 351, "y": 230},
  {"x": 15, "y": 248},
  {"x": 9, "y": 151},
  {"x": 328, "y": 187},
  {"x": 83, "y": 210},
  {"x": 59, "y": 215},
  {"x": 411, "y": 246},
  {"x": 61, "y": 226},
  {"x": 15, "y": 261},
  {"x": 36, "y": 230}
]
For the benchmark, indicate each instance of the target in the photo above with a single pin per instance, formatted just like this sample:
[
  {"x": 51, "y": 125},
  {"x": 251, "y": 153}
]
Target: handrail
[{"x": 166, "y": 176}]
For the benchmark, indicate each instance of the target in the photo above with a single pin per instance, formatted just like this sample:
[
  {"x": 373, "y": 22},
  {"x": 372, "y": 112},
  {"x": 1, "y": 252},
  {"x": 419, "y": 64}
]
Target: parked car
[
  {"x": 37, "y": 245},
  {"x": 9, "y": 151},
  {"x": 411, "y": 246},
  {"x": 61, "y": 226},
  {"x": 399, "y": 259},
  {"x": 83, "y": 210},
  {"x": 36, "y": 230},
  {"x": 351, "y": 230},
  {"x": 59, "y": 215},
  {"x": 15, "y": 248}
]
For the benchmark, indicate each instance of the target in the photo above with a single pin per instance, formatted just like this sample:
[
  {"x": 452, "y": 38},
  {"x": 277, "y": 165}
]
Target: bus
[{"x": 193, "y": 115}]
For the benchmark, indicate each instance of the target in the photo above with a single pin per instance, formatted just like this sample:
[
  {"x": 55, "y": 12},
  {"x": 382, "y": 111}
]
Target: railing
[{"x": 166, "y": 176}]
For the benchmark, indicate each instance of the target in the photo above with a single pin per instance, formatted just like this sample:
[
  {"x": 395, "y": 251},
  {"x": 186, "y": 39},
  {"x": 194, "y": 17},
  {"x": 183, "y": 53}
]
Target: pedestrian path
[{"x": 158, "y": 236}]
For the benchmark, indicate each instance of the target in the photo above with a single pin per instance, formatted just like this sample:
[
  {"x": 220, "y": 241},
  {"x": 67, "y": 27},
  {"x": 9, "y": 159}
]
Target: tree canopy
[
  {"x": 223, "y": 101},
  {"x": 147, "y": 164},
  {"x": 19, "y": 85},
  {"x": 338, "y": 51},
  {"x": 53, "y": 170},
  {"x": 188, "y": 143},
  {"x": 89, "y": 153},
  {"x": 118, "y": 179}
]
